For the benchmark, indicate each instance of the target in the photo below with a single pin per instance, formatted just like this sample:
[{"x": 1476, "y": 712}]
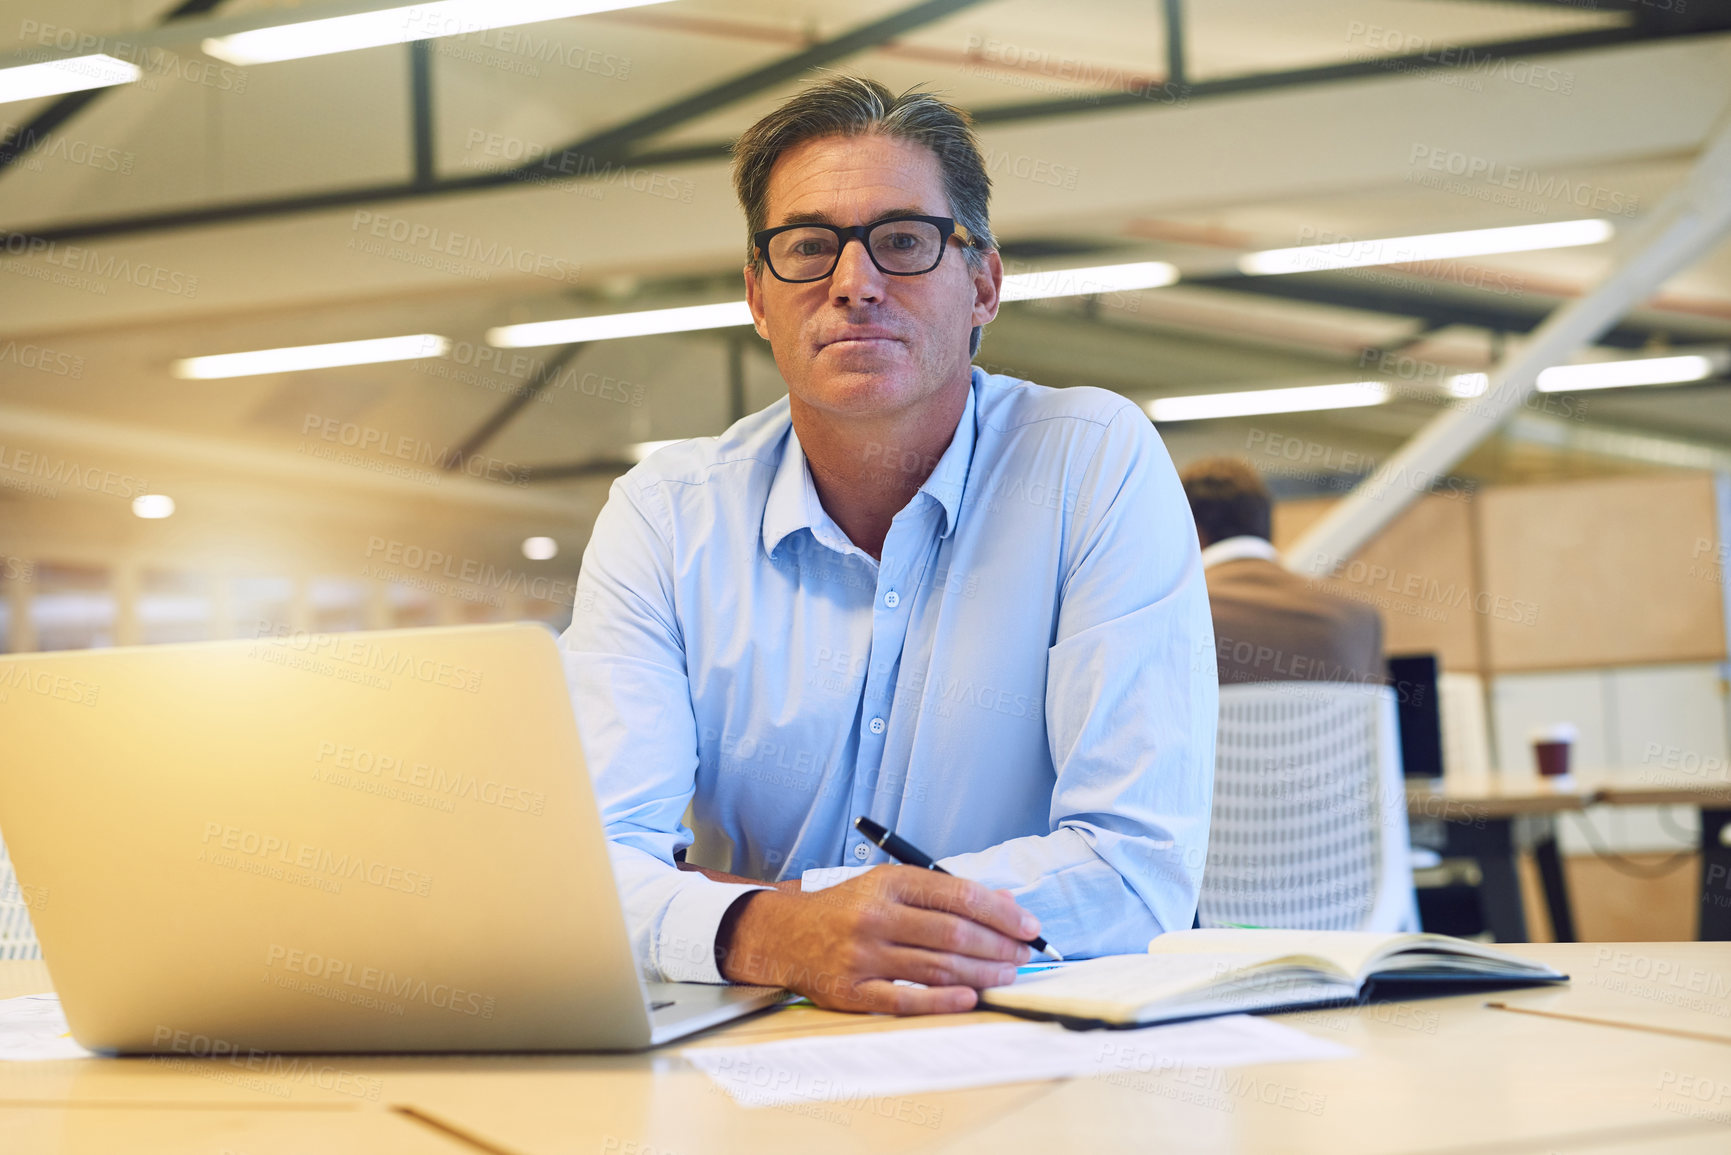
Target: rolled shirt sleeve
[{"x": 626, "y": 667}]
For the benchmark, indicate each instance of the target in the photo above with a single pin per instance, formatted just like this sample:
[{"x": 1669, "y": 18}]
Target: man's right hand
[{"x": 843, "y": 947}]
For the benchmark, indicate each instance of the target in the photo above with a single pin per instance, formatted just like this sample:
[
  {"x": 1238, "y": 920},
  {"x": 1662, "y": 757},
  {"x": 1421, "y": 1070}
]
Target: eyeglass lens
[{"x": 806, "y": 254}]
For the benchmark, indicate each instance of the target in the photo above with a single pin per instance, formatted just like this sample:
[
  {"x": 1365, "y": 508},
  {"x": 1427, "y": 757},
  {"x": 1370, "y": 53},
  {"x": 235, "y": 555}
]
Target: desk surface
[
  {"x": 1442, "y": 1074},
  {"x": 1499, "y": 797}
]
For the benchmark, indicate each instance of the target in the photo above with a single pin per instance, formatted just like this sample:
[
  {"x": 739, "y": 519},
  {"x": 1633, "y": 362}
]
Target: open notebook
[{"x": 1192, "y": 973}]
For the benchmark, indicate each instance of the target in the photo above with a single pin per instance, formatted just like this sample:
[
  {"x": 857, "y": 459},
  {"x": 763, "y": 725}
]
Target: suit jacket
[{"x": 1271, "y": 625}]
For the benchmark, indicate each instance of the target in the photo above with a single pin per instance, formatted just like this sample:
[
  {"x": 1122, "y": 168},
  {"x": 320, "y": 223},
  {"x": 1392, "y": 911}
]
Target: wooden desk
[
  {"x": 1436, "y": 1075},
  {"x": 1484, "y": 814}
]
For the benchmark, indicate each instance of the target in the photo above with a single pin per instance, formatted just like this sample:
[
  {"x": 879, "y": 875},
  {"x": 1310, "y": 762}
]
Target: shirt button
[
  {"x": 877, "y": 726},
  {"x": 892, "y": 599},
  {"x": 862, "y": 852}
]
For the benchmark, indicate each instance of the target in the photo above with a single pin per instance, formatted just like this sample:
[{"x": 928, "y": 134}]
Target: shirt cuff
[
  {"x": 824, "y": 877},
  {"x": 685, "y": 945}
]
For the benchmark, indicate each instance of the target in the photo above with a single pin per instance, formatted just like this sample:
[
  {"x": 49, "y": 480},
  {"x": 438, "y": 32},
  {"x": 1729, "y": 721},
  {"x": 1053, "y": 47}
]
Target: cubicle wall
[{"x": 1602, "y": 603}]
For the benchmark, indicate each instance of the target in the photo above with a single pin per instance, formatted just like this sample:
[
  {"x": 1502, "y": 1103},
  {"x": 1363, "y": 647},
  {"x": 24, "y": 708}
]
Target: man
[
  {"x": 1270, "y": 625},
  {"x": 965, "y": 606}
]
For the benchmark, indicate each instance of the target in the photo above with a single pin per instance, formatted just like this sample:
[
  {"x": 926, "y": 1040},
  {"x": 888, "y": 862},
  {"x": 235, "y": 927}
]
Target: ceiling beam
[
  {"x": 22, "y": 139},
  {"x": 614, "y": 146},
  {"x": 1686, "y": 225}
]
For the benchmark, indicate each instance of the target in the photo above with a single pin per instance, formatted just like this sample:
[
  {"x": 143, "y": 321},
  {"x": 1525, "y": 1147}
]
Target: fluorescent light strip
[
  {"x": 1083, "y": 282},
  {"x": 1020, "y": 287},
  {"x": 1303, "y": 398},
  {"x": 299, "y": 357},
  {"x": 1429, "y": 247},
  {"x": 74, "y": 74},
  {"x": 1639, "y": 371},
  {"x": 612, "y": 325},
  {"x": 396, "y": 26}
]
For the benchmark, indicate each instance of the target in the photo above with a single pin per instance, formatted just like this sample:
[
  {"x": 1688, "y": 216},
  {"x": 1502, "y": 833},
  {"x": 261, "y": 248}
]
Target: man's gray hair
[{"x": 852, "y": 106}]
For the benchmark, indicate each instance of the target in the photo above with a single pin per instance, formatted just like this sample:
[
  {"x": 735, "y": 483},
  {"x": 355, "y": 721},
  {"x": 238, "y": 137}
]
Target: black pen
[{"x": 902, "y": 850}]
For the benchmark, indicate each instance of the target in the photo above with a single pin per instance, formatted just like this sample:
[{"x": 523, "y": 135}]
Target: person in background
[{"x": 1271, "y": 625}]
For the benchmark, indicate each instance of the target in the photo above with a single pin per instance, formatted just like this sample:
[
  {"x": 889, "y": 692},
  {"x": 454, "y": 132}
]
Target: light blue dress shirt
[{"x": 1023, "y": 686}]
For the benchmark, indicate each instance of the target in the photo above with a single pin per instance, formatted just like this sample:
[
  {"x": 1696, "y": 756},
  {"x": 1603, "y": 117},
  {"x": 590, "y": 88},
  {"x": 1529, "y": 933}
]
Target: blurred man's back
[{"x": 1271, "y": 625}]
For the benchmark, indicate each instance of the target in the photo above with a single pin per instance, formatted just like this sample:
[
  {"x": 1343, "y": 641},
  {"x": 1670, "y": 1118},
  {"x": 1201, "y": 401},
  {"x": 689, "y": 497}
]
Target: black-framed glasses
[{"x": 899, "y": 246}]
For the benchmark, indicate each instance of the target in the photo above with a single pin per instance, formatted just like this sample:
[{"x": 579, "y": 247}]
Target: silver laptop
[{"x": 325, "y": 842}]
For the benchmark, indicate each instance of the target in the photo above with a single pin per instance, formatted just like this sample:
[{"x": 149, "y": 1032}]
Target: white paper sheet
[
  {"x": 901, "y": 1062},
  {"x": 33, "y": 1027}
]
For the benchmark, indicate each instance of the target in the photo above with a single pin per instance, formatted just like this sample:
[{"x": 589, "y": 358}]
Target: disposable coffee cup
[{"x": 1551, "y": 746}]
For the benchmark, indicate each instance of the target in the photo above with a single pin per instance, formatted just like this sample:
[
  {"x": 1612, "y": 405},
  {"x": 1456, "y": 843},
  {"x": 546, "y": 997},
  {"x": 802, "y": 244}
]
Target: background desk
[
  {"x": 1483, "y": 817},
  {"x": 1436, "y": 1075}
]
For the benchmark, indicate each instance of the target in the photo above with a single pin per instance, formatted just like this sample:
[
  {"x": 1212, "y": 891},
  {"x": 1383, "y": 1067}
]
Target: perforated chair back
[
  {"x": 17, "y": 936},
  {"x": 1309, "y": 825}
]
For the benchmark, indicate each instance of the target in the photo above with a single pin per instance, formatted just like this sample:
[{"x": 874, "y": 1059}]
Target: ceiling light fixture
[
  {"x": 1639, "y": 371},
  {"x": 540, "y": 548},
  {"x": 153, "y": 506},
  {"x": 691, "y": 318},
  {"x": 55, "y": 77},
  {"x": 299, "y": 357},
  {"x": 1303, "y": 398},
  {"x": 1087, "y": 281},
  {"x": 1350, "y": 254},
  {"x": 613, "y": 325},
  {"x": 396, "y": 26}
]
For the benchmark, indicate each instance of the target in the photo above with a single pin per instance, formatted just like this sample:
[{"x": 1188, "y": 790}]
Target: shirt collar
[
  {"x": 1237, "y": 549},
  {"x": 793, "y": 503}
]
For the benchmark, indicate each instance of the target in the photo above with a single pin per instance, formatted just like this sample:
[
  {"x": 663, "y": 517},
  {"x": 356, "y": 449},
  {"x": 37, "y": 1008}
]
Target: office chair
[
  {"x": 1309, "y": 825},
  {"x": 17, "y": 936}
]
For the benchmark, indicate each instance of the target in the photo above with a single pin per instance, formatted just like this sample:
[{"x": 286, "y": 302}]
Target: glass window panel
[
  {"x": 338, "y": 605},
  {"x": 174, "y": 606},
  {"x": 260, "y": 605},
  {"x": 73, "y": 607}
]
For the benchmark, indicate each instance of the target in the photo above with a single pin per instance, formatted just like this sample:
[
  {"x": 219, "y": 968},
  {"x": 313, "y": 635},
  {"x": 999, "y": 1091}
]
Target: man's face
[{"x": 863, "y": 343}]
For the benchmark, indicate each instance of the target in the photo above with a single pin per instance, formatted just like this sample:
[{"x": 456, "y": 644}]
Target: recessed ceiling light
[
  {"x": 299, "y": 357},
  {"x": 396, "y": 26},
  {"x": 1348, "y": 254},
  {"x": 54, "y": 77},
  {"x": 540, "y": 548},
  {"x": 1201, "y": 407},
  {"x": 153, "y": 506}
]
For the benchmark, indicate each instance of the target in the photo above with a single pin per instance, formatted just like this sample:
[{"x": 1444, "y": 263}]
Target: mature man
[
  {"x": 965, "y": 606},
  {"x": 1271, "y": 625}
]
